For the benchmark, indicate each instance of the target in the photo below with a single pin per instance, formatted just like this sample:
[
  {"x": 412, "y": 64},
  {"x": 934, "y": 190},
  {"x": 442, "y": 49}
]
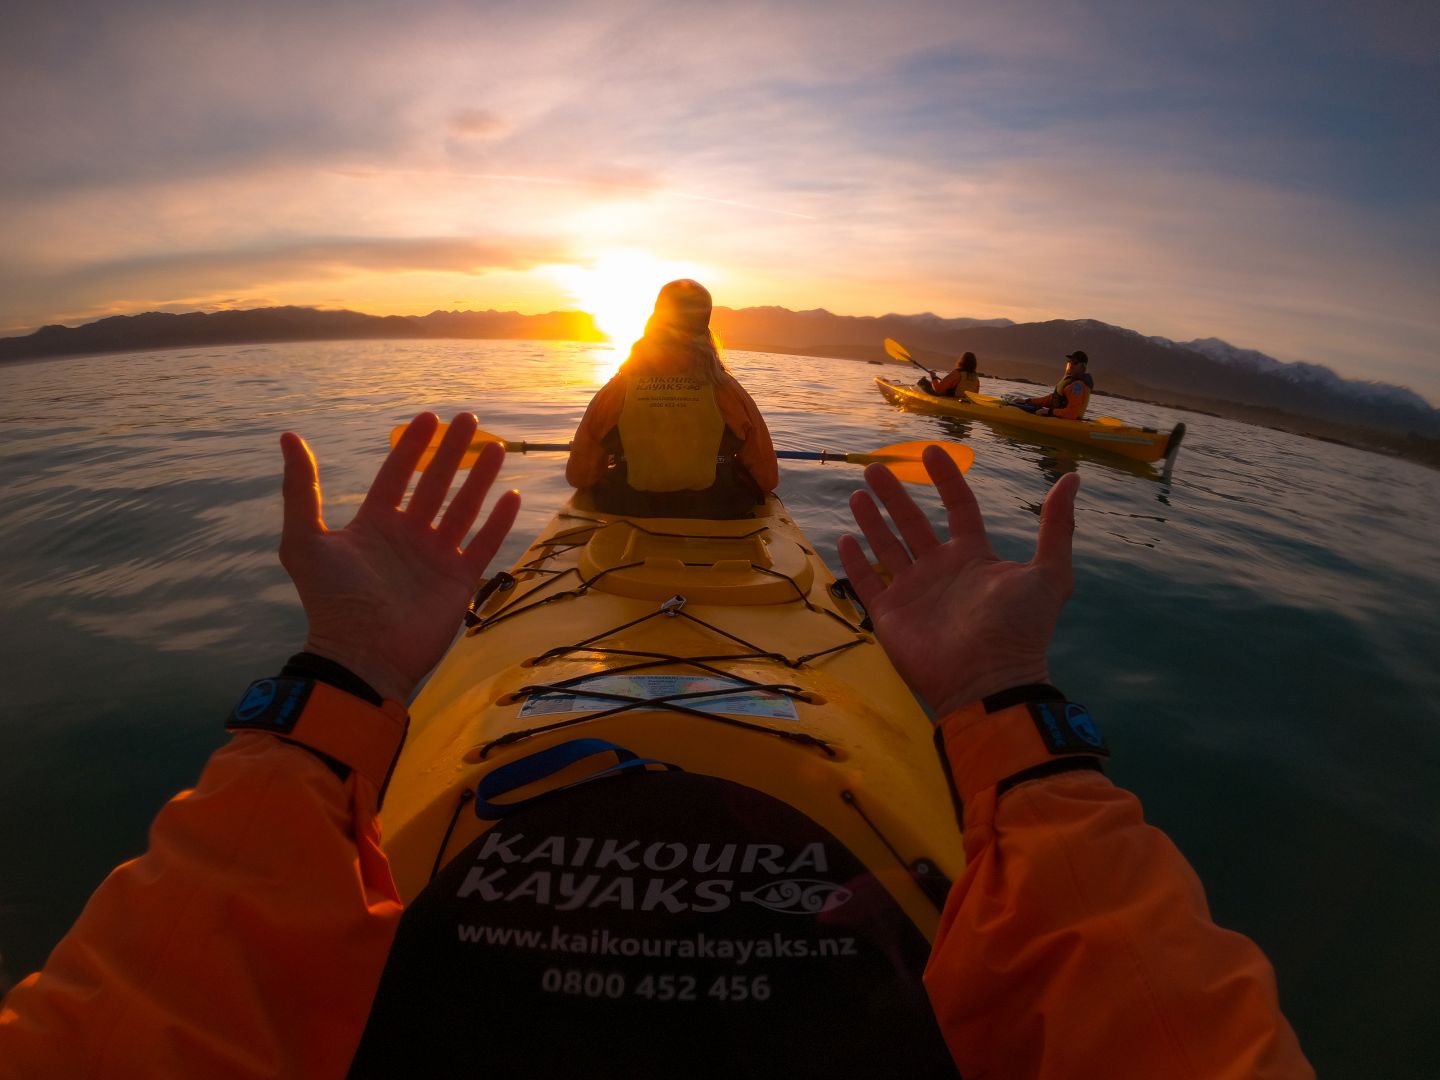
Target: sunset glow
[
  {"x": 1178, "y": 170},
  {"x": 619, "y": 290}
]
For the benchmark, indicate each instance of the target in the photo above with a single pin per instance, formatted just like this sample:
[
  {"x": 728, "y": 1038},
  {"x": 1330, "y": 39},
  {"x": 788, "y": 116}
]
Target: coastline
[
  {"x": 1416, "y": 449},
  {"x": 1413, "y": 448}
]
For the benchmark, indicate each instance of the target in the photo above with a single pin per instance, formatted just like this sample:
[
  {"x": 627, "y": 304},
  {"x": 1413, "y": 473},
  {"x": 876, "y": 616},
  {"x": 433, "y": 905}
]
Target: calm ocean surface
[{"x": 1258, "y": 636}]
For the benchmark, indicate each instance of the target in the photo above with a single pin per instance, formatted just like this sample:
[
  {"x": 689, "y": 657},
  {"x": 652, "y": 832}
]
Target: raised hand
[
  {"x": 957, "y": 622},
  {"x": 385, "y": 594}
]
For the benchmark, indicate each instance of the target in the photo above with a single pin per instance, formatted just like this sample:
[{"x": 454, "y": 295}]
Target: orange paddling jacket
[{"x": 249, "y": 939}]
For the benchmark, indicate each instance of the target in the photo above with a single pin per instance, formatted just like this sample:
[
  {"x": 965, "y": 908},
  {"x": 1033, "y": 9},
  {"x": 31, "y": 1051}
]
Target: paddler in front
[
  {"x": 1071, "y": 394},
  {"x": 960, "y": 380},
  {"x": 250, "y": 939},
  {"x": 674, "y": 434}
]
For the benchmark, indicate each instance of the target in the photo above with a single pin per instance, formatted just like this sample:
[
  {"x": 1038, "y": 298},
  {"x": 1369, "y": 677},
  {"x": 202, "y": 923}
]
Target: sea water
[{"x": 1257, "y": 634}]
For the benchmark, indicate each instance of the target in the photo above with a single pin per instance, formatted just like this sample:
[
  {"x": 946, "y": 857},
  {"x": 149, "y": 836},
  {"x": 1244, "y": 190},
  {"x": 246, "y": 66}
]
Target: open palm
[
  {"x": 959, "y": 623},
  {"x": 384, "y": 595}
]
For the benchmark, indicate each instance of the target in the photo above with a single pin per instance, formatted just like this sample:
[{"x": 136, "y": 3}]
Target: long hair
[{"x": 678, "y": 330}]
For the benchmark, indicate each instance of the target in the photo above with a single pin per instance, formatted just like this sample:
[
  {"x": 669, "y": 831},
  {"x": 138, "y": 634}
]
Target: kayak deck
[
  {"x": 723, "y": 648},
  {"x": 1136, "y": 443}
]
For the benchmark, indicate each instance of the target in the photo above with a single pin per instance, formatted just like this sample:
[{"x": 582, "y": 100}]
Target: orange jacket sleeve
[
  {"x": 588, "y": 459},
  {"x": 742, "y": 416},
  {"x": 1078, "y": 941},
  {"x": 248, "y": 939}
]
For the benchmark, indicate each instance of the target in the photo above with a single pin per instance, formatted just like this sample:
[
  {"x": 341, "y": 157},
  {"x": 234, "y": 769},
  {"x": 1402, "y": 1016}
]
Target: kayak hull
[
  {"x": 1135, "y": 443},
  {"x": 663, "y": 801},
  {"x": 751, "y": 605}
]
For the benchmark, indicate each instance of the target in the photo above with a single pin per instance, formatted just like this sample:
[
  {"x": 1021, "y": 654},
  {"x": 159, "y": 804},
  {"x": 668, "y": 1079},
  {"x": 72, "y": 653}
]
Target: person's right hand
[
  {"x": 385, "y": 595},
  {"x": 957, "y": 622}
]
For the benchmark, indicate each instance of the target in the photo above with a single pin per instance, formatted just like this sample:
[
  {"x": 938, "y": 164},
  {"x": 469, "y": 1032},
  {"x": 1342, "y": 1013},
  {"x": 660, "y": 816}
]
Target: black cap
[{"x": 1078, "y": 356}]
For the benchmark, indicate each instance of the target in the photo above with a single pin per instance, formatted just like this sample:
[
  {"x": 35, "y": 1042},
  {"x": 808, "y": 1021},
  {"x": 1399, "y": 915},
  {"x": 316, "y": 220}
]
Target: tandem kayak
[
  {"x": 666, "y": 808},
  {"x": 1137, "y": 443}
]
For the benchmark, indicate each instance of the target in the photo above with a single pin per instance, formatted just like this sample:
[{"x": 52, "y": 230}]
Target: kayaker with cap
[
  {"x": 251, "y": 937},
  {"x": 674, "y": 434},
  {"x": 958, "y": 381},
  {"x": 1071, "y": 394}
]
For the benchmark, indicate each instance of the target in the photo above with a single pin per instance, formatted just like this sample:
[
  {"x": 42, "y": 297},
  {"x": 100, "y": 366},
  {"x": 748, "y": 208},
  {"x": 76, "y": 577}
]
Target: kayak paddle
[
  {"x": 896, "y": 351},
  {"x": 903, "y": 459}
]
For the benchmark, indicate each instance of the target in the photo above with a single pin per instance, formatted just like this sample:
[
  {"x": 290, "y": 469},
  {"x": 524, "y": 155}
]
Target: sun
[{"x": 618, "y": 288}]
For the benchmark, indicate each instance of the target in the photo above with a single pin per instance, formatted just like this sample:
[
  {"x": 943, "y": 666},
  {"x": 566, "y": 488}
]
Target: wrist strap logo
[
  {"x": 272, "y": 705},
  {"x": 1067, "y": 728}
]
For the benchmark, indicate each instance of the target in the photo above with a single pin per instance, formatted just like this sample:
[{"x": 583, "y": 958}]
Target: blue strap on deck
[{"x": 548, "y": 762}]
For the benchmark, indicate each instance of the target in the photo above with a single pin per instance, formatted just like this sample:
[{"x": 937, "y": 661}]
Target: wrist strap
[
  {"x": 1021, "y": 695},
  {"x": 309, "y": 665},
  {"x": 1001, "y": 739},
  {"x": 328, "y": 721}
]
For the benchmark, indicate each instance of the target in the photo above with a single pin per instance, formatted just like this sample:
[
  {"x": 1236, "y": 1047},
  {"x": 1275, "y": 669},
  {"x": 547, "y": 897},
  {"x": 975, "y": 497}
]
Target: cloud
[
  {"x": 231, "y": 277},
  {"x": 1263, "y": 173},
  {"x": 477, "y": 124}
]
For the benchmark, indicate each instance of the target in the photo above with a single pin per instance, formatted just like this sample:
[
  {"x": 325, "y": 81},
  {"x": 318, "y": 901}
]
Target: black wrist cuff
[
  {"x": 1049, "y": 768},
  {"x": 1064, "y": 727},
  {"x": 1021, "y": 695},
  {"x": 307, "y": 665}
]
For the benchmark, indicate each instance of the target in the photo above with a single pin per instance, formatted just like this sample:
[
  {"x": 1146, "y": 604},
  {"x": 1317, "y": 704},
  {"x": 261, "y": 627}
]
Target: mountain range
[{"x": 1206, "y": 374}]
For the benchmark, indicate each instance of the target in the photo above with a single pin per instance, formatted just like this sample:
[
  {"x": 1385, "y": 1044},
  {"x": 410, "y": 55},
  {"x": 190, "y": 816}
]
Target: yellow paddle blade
[
  {"x": 896, "y": 351},
  {"x": 904, "y": 459},
  {"x": 477, "y": 443}
]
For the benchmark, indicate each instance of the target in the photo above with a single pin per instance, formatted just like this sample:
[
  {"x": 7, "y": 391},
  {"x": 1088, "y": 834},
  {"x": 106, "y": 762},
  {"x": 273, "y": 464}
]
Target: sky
[{"x": 1264, "y": 173}]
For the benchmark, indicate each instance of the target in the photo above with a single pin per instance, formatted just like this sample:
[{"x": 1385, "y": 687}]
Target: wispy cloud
[{"x": 1268, "y": 174}]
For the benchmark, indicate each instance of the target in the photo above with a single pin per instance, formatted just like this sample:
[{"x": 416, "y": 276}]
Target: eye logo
[
  {"x": 258, "y": 698},
  {"x": 1080, "y": 723},
  {"x": 799, "y": 896}
]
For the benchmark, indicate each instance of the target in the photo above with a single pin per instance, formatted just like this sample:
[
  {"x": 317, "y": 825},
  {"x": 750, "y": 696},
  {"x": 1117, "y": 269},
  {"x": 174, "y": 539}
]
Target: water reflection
[{"x": 1295, "y": 583}]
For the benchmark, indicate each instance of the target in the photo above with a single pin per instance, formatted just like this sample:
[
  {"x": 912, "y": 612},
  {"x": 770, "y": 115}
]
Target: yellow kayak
[
  {"x": 1136, "y": 443},
  {"x": 666, "y": 807}
]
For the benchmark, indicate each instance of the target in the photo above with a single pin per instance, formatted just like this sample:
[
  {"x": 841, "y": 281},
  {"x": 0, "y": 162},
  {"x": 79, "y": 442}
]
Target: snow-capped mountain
[{"x": 1301, "y": 373}]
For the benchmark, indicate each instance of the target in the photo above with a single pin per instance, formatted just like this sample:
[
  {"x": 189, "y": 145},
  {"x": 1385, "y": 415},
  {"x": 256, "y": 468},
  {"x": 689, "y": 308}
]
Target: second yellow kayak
[{"x": 1136, "y": 443}]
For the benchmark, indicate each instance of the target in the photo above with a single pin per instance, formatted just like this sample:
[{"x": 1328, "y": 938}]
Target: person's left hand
[
  {"x": 957, "y": 622},
  {"x": 385, "y": 594}
]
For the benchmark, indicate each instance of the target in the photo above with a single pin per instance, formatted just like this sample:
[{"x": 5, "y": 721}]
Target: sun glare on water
[{"x": 619, "y": 289}]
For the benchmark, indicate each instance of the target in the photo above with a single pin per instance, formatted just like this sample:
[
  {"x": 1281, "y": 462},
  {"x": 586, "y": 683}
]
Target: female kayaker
[
  {"x": 674, "y": 434},
  {"x": 960, "y": 380},
  {"x": 249, "y": 940}
]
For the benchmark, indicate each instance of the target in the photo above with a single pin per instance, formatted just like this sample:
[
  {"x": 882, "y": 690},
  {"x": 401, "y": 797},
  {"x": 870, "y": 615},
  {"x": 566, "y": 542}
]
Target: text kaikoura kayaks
[{"x": 666, "y": 808}]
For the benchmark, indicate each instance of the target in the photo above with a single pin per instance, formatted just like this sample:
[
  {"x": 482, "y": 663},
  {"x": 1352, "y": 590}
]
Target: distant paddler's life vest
[
  {"x": 671, "y": 432},
  {"x": 1060, "y": 396}
]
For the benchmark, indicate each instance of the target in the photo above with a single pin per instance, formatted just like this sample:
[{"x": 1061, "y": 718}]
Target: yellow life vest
[{"x": 671, "y": 430}]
